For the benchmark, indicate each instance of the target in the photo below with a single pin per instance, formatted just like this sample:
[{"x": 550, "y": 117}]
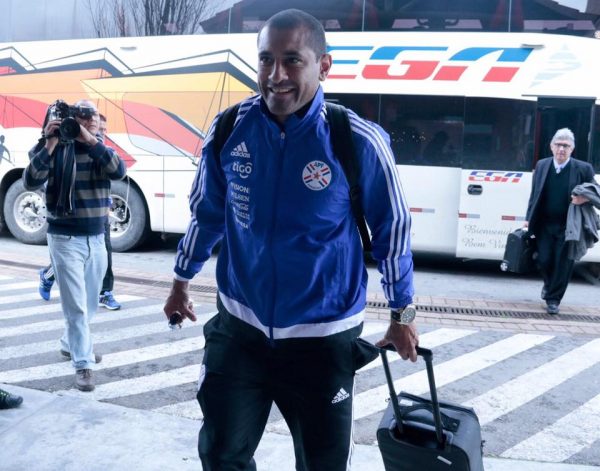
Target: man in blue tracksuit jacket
[{"x": 291, "y": 277}]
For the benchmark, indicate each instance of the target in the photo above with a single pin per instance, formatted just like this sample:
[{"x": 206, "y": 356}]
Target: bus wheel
[
  {"x": 127, "y": 216},
  {"x": 25, "y": 213}
]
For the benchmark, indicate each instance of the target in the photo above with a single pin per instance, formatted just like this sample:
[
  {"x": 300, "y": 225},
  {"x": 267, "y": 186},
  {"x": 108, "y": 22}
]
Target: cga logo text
[{"x": 495, "y": 177}]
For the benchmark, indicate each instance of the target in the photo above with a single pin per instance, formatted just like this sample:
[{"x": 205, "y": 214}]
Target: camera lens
[{"x": 69, "y": 129}]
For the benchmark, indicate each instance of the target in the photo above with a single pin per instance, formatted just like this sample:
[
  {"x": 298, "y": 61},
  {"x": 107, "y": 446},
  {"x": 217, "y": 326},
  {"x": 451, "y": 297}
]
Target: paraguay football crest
[{"x": 316, "y": 175}]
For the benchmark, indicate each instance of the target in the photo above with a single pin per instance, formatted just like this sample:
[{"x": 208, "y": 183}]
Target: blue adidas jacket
[{"x": 291, "y": 260}]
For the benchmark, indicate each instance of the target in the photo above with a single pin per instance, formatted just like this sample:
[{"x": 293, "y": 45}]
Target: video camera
[{"x": 69, "y": 127}]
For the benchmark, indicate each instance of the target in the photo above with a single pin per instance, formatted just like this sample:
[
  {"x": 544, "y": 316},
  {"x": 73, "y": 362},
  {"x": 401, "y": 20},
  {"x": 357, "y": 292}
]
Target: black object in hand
[{"x": 175, "y": 321}]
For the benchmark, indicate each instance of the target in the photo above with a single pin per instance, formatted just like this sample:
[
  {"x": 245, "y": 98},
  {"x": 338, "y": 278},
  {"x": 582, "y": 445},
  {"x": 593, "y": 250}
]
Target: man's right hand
[
  {"x": 51, "y": 134},
  {"x": 179, "y": 301},
  {"x": 404, "y": 338}
]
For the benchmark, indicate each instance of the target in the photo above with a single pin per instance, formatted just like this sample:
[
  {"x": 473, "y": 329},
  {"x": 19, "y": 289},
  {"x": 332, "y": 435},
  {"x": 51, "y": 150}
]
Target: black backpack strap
[
  {"x": 343, "y": 147},
  {"x": 223, "y": 130}
]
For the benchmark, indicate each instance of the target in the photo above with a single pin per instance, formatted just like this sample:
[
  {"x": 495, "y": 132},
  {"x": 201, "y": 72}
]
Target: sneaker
[
  {"x": 45, "y": 286},
  {"x": 8, "y": 400},
  {"x": 84, "y": 380},
  {"x": 67, "y": 356},
  {"x": 108, "y": 301}
]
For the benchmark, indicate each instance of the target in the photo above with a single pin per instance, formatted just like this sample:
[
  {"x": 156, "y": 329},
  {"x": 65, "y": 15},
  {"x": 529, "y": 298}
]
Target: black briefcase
[
  {"x": 520, "y": 252},
  {"x": 420, "y": 434}
]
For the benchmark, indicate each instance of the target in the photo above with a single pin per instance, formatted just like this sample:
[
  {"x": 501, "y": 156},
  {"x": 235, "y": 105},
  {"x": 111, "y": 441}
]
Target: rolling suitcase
[
  {"x": 520, "y": 252},
  {"x": 420, "y": 434}
]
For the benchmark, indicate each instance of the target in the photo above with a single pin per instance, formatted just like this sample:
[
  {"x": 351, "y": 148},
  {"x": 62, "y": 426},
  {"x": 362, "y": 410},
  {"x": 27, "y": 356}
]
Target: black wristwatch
[{"x": 404, "y": 315}]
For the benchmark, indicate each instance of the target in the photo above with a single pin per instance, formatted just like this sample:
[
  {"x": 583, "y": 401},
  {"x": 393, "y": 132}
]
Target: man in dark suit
[{"x": 553, "y": 180}]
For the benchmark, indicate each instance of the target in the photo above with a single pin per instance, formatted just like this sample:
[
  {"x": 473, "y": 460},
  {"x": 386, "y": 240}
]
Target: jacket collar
[
  {"x": 558, "y": 166},
  {"x": 301, "y": 118}
]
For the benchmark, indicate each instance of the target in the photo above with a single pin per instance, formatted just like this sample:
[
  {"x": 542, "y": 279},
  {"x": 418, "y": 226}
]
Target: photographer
[
  {"x": 105, "y": 298},
  {"x": 78, "y": 168}
]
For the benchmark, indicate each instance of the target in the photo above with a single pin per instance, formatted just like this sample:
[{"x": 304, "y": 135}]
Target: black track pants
[{"x": 310, "y": 380}]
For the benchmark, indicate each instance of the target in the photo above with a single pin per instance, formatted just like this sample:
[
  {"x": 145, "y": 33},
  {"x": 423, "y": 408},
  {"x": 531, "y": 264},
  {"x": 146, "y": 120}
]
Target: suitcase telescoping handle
[{"x": 428, "y": 357}]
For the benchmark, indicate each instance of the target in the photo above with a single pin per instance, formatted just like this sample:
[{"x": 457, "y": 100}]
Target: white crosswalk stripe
[
  {"x": 110, "y": 360},
  {"x": 143, "y": 384},
  {"x": 99, "y": 338},
  {"x": 47, "y": 308},
  {"x": 515, "y": 393},
  {"x": 431, "y": 339},
  {"x": 373, "y": 400},
  {"x": 565, "y": 437},
  {"x": 20, "y": 285},
  {"x": 152, "y": 367},
  {"x": 17, "y": 298},
  {"x": 57, "y": 324}
]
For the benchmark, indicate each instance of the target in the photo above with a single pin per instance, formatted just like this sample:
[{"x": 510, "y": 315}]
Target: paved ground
[
  {"x": 117, "y": 436},
  {"x": 39, "y": 436}
]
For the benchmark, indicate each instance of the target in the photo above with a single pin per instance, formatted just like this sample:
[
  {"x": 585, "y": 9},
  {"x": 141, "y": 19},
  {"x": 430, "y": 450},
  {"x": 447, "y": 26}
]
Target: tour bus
[{"x": 468, "y": 117}]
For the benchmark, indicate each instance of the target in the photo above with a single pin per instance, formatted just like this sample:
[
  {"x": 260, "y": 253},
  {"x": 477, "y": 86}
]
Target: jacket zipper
[{"x": 274, "y": 219}]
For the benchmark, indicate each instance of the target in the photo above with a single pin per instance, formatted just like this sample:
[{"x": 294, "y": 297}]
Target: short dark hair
[
  {"x": 102, "y": 117},
  {"x": 293, "y": 19}
]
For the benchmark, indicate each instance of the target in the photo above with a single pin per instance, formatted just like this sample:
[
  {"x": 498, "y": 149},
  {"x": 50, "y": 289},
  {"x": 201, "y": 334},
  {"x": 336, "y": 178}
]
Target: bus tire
[
  {"x": 128, "y": 217},
  {"x": 25, "y": 213}
]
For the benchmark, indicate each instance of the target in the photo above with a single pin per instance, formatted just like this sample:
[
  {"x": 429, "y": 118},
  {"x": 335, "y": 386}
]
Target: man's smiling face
[{"x": 288, "y": 70}]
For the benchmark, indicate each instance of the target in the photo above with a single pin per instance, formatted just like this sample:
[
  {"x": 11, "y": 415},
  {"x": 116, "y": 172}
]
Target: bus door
[
  {"x": 556, "y": 113},
  {"x": 578, "y": 116},
  {"x": 498, "y": 149}
]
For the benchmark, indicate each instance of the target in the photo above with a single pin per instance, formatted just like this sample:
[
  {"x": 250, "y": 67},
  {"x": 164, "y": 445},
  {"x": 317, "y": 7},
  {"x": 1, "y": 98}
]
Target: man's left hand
[
  {"x": 404, "y": 338},
  {"x": 578, "y": 199},
  {"x": 86, "y": 137}
]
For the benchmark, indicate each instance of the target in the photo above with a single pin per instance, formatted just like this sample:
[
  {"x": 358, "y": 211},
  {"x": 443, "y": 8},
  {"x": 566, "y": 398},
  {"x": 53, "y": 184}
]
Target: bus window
[
  {"x": 425, "y": 15},
  {"x": 539, "y": 16},
  {"x": 499, "y": 134},
  {"x": 424, "y": 130},
  {"x": 366, "y": 106}
]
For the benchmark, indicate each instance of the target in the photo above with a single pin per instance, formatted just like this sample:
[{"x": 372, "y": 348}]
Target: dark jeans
[
  {"x": 310, "y": 380},
  {"x": 109, "y": 280}
]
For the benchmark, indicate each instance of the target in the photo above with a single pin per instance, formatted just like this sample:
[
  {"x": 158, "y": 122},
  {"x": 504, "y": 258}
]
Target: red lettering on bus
[
  {"x": 417, "y": 70},
  {"x": 450, "y": 72},
  {"x": 500, "y": 74}
]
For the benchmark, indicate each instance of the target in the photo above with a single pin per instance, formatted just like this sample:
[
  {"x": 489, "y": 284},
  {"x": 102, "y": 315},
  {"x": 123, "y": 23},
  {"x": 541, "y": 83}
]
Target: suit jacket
[{"x": 581, "y": 172}]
